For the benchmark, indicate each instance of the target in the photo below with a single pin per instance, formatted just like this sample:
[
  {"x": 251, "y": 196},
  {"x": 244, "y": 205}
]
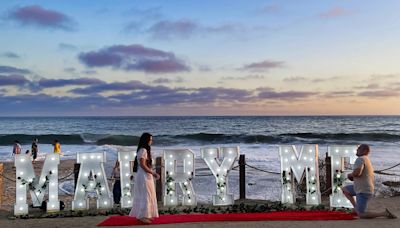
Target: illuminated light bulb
[
  {"x": 44, "y": 179},
  {"x": 126, "y": 156},
  {"x": 222, "y": 188},
  {"x": 22, "y": 159},
  {"x": 218, "y": 169},
  {"x": 171, "y": 156},
  {"x": 84, "y": 157},
  {"x": 339, "y": 188},
  {"x": 81, "y": 204},
  {"x": 85, "y": 174},
  {"x": 305, "y": 158},
  {"x": 337, "y": 151},
  {"x": 286, "y": 160},
  {"x": 105, "y": 202},
  {"x": 127, "y": 174},
  {"x": 310, "y": 150},
  {"x": 171, "y": 173},
  {"x": 171, "y": 163},
  {"x": 347, "y": 201},
  {"x": 170, "y": 183},
  {"x": 127, "y": 185},
  {"x": 189, "y": 201},
  {"x": 313, "y": 198},
  {"x": 189, "y": 162},
  {"x": 30, "y": 180},
  {"x": 312, "y": 168},
  {"x": 53, "y": 206},
  {"x": 337, "y": 163},
  {"x": 288, "y": 188},
  {"x": 91, "y": 184},
  {"x": 126, "y": 164},
  {"x": 311, "y": 159},
  {"x": 230, "y": 152},
  {"x": 338, "y": 176},
  {"x": 292, "y": 157},
  {"x": 53, "y": 171},
  {"x": 188, "y": 155},
  {"x": 286, "y": 151},
  {"x": 225, "y": 170},
  {"x": 339, "y": 201},
  {"x": 185, "y": 183},
  {"x": 21, "y": 173},
  {"x": 21, "y": 186},
  {"x": 52, "y": 184},
  {"x": 189, "y": 173},
  {"x": 211, "y": 160},
  {"x": 210, "y": 152},
  {"x": 222, "y": 179},
  {"x": 102, "y": 188},
  {"x": 52, "y": 196},
  {"x": 288, "y": 197},
  {"x": 188, "y": 192},
  {"x": 287, "y": 169},
  {"x": 21, "y": 208},
  {"x": 172, "y": 200},
  {"x": 91, "y": 156},
  {"x": 223, "y": 199},
  {"x": 230, "y": 159},
  {"x": 312, "y": 178},
  {"x": 129, "y": 201},
  {"x": 21, "y": 198},
  {"x": 298, "y": 167},
  {"x": 354, "y": 151},
  {"x": 53, "y": 158},
  {"x": 98, "y": 174},
  {"x": 346, "y": 151},
  {"x": 312, "y": 188},
  {"x": 37, "y": 193},
  {"x": 98, "y": 157}
]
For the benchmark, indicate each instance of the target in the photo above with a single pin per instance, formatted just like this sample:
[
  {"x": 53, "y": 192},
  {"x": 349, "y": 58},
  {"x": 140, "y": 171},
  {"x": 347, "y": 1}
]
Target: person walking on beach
[
  {"x": 117, "y": 183},
  {"x": 17, "y": 147},
  {"x": 363, "y": 187},
  {"x": 57, "y": 147},
  {"x": 34, "y": 150},
  {"x": 144, "y": 200}
]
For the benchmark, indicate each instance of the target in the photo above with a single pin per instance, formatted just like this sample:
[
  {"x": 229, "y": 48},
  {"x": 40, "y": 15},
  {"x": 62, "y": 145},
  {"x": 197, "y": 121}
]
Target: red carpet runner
[{"x": 267, "y": 216}]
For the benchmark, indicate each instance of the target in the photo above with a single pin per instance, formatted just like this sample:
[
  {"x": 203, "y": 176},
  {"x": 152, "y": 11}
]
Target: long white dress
[{"x": 144, "y": 199}]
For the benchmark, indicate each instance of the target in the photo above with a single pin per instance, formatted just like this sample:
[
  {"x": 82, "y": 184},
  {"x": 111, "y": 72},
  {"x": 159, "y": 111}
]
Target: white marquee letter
[
  {"x": 339, "y": 175},
  {"x": 173, "y": 177},
  {"x": 92, "y": 178},
  {"x": 220, "y": 171},
  {"x": 293, "y": 165},
  {"x": 38, "y": 186}
]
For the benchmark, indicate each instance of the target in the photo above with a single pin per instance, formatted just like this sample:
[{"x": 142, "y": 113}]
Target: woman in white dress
[{"x": 144, "y": 199}]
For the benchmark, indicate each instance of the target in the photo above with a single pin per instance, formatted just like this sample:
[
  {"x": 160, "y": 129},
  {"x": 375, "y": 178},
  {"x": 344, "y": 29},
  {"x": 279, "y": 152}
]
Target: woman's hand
[{"x": 156, "y": 176}]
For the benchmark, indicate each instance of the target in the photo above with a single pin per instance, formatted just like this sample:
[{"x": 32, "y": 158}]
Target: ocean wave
[{"x": 201, "y": 138}]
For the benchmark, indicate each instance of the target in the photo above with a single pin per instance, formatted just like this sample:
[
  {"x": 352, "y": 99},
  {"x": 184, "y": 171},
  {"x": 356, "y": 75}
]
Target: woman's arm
[{"x": 144, "y": 166}]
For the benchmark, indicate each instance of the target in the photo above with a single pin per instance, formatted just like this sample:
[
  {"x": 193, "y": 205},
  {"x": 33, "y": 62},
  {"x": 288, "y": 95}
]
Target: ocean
[{"x": 257, "y": 136}]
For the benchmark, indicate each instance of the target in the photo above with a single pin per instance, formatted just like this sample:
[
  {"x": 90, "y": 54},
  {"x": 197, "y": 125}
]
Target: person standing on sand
[
  {"x": 34, "y": 150},
  {"x": 17, "y": 147},
  {"x": 57, "y": 147},
  {"x": 117, "y": 183},
  {"x": 363, "y": 187},
  {"x": 145, "y": 199}
]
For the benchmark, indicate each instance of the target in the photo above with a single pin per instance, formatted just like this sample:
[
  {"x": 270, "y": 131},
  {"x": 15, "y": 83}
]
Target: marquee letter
[
  {"x": 339, "y": 175},
  {"x": 92, "y": 178},
  {"x": 220, "y": 171},
  {"x": 126, "y": 176},
  {"x": 38, "y": 186},
  {"x": 183, "y": 178},
  {"x": 293, "y": 166}
]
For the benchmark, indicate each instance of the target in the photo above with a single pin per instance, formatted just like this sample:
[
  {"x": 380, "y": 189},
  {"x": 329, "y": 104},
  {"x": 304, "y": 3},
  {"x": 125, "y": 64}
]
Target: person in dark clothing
[
  {"x": 34, "y": 150},
  {"x": 117, "y": 183}
]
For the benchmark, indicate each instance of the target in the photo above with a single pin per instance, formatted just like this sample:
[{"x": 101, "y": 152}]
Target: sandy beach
[{"x": 66, "y": 167}]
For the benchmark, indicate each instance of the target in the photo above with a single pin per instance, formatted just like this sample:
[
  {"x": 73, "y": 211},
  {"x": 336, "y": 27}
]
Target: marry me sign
[{"x": 179, "y": 171}]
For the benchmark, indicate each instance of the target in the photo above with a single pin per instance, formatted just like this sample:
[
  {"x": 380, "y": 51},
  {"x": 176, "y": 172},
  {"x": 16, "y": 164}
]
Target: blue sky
[{"x": 199, "y": 57}]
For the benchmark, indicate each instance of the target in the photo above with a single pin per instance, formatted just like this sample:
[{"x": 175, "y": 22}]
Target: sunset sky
[{"x": 295, "y": 57}]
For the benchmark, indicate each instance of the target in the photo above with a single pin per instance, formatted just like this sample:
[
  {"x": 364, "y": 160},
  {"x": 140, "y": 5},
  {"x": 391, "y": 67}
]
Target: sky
[{"x": 209, "y": 57}]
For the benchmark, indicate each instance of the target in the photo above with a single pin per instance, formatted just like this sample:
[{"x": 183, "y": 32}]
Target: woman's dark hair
[{"x": 143, "y": 143}]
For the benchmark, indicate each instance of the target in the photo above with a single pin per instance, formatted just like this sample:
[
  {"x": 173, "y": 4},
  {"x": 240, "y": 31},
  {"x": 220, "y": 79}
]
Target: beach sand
[{"x": 66, "y": 167}]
